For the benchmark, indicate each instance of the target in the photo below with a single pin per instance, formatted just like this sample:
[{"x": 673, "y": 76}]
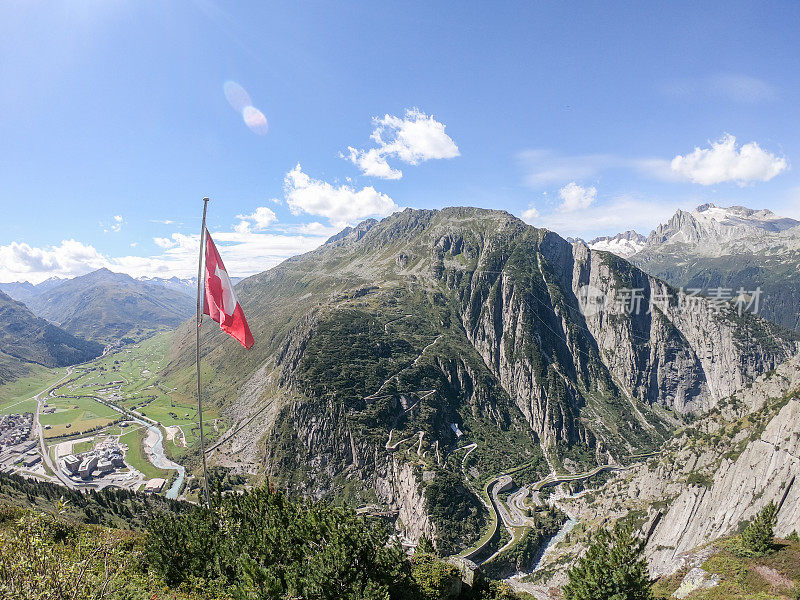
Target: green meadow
[{"x": 17, "y": 396}]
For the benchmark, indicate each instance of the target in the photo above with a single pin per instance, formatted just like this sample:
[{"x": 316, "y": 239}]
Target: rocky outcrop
[
  {"x": 713, "y": 225},
  {"x": 768, "y": 470},
  {"x": 399, "y": 489}
]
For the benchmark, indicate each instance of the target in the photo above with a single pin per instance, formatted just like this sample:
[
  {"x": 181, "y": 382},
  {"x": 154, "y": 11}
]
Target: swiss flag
[{"x": 220, "y": 301}]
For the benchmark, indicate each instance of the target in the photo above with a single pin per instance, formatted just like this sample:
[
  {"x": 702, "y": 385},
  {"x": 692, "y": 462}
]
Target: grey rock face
[
  {"x": 766, "y": 471},
  {"x": 733, "y": 248}
]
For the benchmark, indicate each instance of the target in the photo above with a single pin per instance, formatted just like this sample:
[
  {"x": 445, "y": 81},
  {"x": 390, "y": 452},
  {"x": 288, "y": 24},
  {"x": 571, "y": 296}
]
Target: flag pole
[{"x": 199, "y": 320}]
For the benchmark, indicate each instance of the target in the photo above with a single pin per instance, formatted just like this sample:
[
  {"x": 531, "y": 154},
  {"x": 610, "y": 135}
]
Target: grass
[
  {"x": 17, "y": 396},
  {"x": 135, "y": 455},
  {"x": 81, "y": 414},
  {"x": 80, "y": 447},
  {"x": 772, "y": 577},
  {"x": 131, "y": 378}
]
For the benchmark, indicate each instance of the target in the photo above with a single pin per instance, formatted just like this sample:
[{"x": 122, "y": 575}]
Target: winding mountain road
[{"x": 511, "y": 514}]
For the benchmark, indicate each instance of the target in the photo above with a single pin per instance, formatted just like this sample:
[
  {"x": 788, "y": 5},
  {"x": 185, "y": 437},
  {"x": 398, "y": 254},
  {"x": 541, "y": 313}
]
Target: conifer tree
[
  {"x": 613, "y": 568},
  {"x": 757, "y": 536}
]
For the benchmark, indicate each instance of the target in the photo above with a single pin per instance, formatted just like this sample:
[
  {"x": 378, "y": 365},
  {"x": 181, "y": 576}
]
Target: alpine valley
[{"x": 487, "y": 389}]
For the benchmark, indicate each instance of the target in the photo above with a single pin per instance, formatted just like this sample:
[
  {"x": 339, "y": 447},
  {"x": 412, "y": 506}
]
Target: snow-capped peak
[
  {"x": 732, "y": 216},
  {"x": 623, "y": 244},
  {"x": 711, "y": 225}
]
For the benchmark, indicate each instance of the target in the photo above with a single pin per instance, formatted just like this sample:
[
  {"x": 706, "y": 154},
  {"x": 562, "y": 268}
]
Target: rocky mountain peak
[
  {"x": 623, "y": 244},
  {"x": 712, "y": 224}
]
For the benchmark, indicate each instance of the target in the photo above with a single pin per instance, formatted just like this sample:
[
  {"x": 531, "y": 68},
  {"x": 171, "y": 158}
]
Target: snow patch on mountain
[
  {"x": 712, "y": 226},
  {"x": 623, "y": 244}
]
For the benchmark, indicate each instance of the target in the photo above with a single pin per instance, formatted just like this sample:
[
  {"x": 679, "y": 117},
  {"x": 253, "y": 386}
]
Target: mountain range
[
  {"x": 407, "y": 362},
  {"x": 386, "y": 354},
  {"x": 27, "y": 340},
  {"x": 105, "y": 306},
  {"x": 624, "y": 244},
  {"x": 23, "y": 291},
  {"x": 722, "y": 252}
]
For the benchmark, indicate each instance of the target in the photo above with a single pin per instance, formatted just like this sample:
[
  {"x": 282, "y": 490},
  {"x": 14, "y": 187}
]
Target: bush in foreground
[{"x": 258, "y": 544}]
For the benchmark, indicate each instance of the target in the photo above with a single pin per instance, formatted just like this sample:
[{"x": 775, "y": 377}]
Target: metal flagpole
[{"x": 200, "y": 286}]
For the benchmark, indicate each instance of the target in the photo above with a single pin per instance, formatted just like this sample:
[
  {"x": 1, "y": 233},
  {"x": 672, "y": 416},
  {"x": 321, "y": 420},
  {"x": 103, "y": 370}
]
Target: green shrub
[
  {"x": 433, "y": 578},
  {"x": 696, "y": 478},
  {"x": 258, "y": 544},
  {"x": 757, "y": 536}
]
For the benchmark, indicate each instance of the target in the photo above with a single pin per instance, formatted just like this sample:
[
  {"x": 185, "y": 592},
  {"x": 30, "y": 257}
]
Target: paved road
[
  {"x": 39, "y": 430},
  {"x": 511, "y": 515}
]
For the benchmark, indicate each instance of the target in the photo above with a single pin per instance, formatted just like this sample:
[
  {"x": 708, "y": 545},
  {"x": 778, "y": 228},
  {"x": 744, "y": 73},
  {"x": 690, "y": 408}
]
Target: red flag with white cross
[{"x": 220, "y": 302}]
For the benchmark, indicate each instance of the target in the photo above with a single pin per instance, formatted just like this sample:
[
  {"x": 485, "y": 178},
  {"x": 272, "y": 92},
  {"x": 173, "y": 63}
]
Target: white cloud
[
  {"x": 19, "y": 261},
  {"x": 575, "y": 197},
  {"x": 114, "y": 225},
  {"x": 544, "y": 167},
  {"x": 724, "y": 161},
  {"x": 317, "y": 228},
  {"x": 530, "y": 214},
  {"x": 163, "y": 242},
  {"x": 261, "y": 218},
  {"x": 244, "y": 254},
  {"x": 342, "y": 205},
  {"x": 742, "y": 88},
  {"x": 413, "y": 139}
]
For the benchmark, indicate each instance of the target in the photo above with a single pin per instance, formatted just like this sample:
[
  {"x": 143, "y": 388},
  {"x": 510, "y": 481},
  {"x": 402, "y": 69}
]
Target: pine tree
[
  {"x": 613, "y": 568},
  {"x": 757, "y": 536},
  {"x": 425, "y": 546}
]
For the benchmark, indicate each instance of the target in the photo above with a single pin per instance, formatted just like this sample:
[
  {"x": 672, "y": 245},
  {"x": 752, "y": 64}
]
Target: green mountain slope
[
  {"x": 106, "y": 307},
  {"x": 26, "y": 339}
]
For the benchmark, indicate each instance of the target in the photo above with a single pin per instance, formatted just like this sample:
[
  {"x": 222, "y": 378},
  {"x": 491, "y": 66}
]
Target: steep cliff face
[
  {"x": 405, "y": 341},
  {"x": 765, "y": 472},
  {"x": 712, "y": 477}
]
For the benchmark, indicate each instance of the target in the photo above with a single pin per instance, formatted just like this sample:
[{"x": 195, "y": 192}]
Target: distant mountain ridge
[
  {"x": 23, "y": 291},
  {"x": 712, "y": 227},
  {"x": 26, "y": 339},
  {"x": 186, "y": 286},
  {"x": 734, "y": 248},
  {"x": 105, "y": 306},
  {"x": 623, "y": 244}
]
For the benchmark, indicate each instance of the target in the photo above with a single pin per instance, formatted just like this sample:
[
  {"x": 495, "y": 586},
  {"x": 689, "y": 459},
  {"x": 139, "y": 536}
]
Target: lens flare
[
  {"x": 236, "y": 96},
  {"x": 255, "y": 120}
]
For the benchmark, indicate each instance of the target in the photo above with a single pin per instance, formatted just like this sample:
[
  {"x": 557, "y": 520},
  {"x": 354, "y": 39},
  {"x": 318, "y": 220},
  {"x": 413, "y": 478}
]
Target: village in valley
[{"x": 106, "y": 423}]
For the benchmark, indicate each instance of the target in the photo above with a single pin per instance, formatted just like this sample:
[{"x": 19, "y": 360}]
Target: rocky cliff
[
  {"x": 710, "y": 479},
  {"x": 766, "y": 471}
]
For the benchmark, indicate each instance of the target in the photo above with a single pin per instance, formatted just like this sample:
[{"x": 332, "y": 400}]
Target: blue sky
[{"x": 115, "y": 121}]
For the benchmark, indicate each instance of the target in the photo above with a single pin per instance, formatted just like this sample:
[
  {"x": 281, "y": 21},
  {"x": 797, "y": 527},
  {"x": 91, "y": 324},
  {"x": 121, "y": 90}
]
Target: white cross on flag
[{"x": 220, "y": 301}]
